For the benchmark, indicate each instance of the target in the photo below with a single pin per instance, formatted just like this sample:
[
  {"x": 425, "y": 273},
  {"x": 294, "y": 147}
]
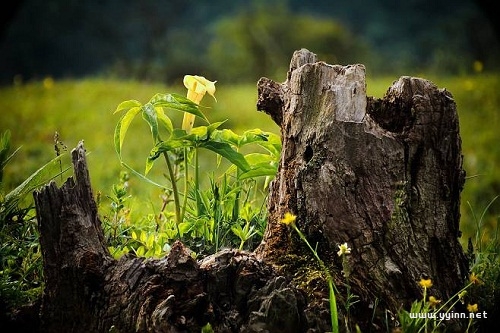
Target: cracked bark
[{"x": 383, "y": 175}]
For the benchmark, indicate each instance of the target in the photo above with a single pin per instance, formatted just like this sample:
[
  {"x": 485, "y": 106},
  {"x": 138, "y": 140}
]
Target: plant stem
[
  {"x": 186, "y": 183},
  {"x": 197, "y": 182},
  {"x": 331, "y": 287},
  {"x": 175, "y": 190}
]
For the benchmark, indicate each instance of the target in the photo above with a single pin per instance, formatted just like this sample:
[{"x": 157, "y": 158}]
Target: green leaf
[
  {"x": 164, "y": 119},
  {"x": 150, "y": 116},
  {"x": 226, "y": 151},
  {"x": 202, "y": 133},
  {"x": 177, "y": 102},
  {"x": 259, "y": 170},
  {"x": 252, "y": 136},
  {"x": 44, "y": 174},
  {"x": 143, "y": 237},
  {"x": 122, "y": 127},
  {"x": 226, "y": 135},
  {"x": 140, "y": 251},
  {"x": 127, "y": 105},
  {"x": 150, "y": 241},
  {"x": 171, "y": 144},
  {"x": 261, "y": 165},
  {"x": 149, "y": 164},
  {"x": 255, "y": 159},
  {"x": 272, "y": 144}
]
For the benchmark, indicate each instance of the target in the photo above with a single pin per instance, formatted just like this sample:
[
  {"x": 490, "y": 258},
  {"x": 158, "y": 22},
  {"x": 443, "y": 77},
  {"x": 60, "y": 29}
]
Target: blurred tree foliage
[
  {"x": 260, "y": 40},
  {"x": 239, "y": 40}
]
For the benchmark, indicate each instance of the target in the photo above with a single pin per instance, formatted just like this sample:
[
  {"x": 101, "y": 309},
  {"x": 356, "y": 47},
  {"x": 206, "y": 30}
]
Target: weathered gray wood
[{"x": 385, "y": 176}]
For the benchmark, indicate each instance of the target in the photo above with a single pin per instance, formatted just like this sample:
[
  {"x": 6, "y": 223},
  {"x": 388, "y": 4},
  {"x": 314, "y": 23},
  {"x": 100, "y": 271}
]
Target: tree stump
[{"x": 383, "y": 175}]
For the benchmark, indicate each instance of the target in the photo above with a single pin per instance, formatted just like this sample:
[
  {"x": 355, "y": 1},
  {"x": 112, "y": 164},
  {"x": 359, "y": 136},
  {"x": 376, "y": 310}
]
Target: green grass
[{"x": 83, "y": 110}]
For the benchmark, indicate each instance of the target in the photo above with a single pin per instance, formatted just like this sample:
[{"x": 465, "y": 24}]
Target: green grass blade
[
  {"x": 47, "y": 172},
  {"x": 333, "y": 307}
]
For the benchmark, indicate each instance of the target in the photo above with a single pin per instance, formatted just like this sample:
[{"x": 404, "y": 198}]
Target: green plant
[
  {"x": 484, "y": 256},
  {"x": 21, "y": 275},
  {"x": 428, "y": 314},
  {"x": 202, "y": 218},
  {"x": 289, "y": 219}
]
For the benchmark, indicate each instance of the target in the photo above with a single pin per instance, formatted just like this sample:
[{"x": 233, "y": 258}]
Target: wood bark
[{"x": 383, "y": 175}]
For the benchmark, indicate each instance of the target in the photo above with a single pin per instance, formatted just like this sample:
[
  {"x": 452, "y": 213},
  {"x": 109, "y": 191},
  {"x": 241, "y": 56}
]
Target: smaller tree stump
[{"x": 86, "y": 290}]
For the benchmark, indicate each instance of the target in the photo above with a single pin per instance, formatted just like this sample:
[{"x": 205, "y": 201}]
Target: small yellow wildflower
[
  {"x": 474, "y": 279},
  {"x": 461, "y": 296},
  {"x": 433, "y": 301},
  {"x": 472, "y": 308},
  {"x": 288, "y": 219},
  {"x": 425, "y": 283},
  {"x": 343, "y": 249},
  {"x": 197, "y": 87}
]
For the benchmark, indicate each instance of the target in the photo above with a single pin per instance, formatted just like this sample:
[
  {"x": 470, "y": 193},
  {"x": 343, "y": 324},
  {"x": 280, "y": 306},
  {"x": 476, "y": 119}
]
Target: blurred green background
[{"x": 65, "y": 65}]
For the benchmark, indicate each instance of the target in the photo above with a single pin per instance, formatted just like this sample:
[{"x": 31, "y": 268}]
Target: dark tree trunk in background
[
  {"x": 382, "y": 175},
  {"x": 385, "y": 176}
]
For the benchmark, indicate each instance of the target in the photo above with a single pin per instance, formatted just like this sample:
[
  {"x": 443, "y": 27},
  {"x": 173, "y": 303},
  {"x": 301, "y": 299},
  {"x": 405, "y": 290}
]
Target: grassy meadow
[{"x": 83, "y": 110}]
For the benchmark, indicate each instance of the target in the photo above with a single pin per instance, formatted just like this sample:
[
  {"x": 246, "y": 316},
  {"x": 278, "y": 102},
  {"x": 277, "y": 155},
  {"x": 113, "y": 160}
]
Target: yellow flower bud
[{"x": 197, "y": 87}]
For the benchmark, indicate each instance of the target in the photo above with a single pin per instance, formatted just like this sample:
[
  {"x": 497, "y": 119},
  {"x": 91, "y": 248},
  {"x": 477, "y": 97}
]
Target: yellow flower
[
  {"x": 474, "y": 279},
  {"x": 433, "y": 301},
  {"x": 472, "y": 308},
  {"x": 343, "y": 249},
  {"x": 197, "y": 87},
  {"x": 425, "y": 283},
  {"x": 288, "y": 219}
]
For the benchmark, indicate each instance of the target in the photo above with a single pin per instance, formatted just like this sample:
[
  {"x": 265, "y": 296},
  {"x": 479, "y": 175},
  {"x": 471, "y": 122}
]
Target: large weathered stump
[
  {"x": 382, "y": 175},
  {"x": 385, "y": 176}
]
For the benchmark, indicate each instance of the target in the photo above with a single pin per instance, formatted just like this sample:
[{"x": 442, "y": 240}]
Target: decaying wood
[{"x": 385, "y": 176}]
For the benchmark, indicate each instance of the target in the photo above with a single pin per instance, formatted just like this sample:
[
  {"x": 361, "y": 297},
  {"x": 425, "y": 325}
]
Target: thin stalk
[
  {"x": 186, "y": 183},
  {"x": 197, "y": 181},
  {"x": 453, "y": 304},
  {"x": 331, "y": 286},
  {"x": 175, "y": 190}
]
